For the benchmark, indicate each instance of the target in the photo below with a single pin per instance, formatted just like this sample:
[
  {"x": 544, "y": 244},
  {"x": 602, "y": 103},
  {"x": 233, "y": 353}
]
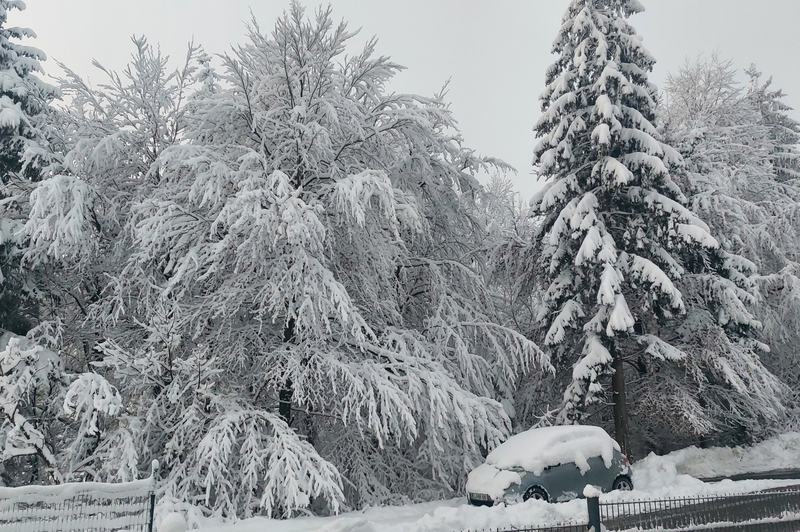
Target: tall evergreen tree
[
  {"x": 22, "y": 93},
  {"x": 22, "y": 96},
  {"x": 631, "y": 277}
]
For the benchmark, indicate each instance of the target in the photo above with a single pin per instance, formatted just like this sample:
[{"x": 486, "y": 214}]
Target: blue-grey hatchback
[{"x": 551, "y": 464}]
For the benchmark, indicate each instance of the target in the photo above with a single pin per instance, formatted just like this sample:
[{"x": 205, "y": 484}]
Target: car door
[
  {"x": 565, "y": 482},
  {"x": 599, "y": 475}
]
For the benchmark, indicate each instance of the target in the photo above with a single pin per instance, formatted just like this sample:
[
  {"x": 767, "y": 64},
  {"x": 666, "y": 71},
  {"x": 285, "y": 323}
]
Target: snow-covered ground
[{"x": 653, "y": 477}]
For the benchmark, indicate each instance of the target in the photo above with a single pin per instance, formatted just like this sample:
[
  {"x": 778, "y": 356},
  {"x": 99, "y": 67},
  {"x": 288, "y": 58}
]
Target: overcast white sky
[{"x": 494, "y": 51}]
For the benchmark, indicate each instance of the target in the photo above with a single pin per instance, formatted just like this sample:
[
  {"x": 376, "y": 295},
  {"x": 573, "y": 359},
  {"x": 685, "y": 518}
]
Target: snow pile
[
  {"x": 173, "y": 522},
  {"x": 591, "y": 492},
  {"x": 780, "y": 452},
  {"x": 659, "y": 477},
  {"x": 536, "y": 449}
]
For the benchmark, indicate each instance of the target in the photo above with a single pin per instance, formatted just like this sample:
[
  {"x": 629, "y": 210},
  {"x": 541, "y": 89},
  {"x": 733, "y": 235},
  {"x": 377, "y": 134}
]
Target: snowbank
[
  {"x": 677, "y": 474},
  {"x": 781, "y": 452},
  {"x": 455, "y": 515},
  {"x": 173, "y": 522}
]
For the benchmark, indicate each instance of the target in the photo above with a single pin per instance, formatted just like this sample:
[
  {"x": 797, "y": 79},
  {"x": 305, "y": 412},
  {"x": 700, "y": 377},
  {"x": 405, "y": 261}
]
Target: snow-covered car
[{"x": 552, "y": 464}]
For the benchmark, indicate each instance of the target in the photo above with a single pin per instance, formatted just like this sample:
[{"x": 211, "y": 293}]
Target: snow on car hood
[
  {"x": 536, "y": 449},
  {"x": 491, "y": 481}
]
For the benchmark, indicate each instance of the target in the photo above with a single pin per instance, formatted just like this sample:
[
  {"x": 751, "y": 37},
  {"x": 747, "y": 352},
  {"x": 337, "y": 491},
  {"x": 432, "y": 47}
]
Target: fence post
[
  {"x": 153, "y": 472},
  {"x": 152, "y": 511},
  {"x": 592, "y": 495}
]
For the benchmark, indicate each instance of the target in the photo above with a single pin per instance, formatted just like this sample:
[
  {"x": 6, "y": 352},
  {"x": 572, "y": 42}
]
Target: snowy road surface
[{"x": 654, "y": 477}]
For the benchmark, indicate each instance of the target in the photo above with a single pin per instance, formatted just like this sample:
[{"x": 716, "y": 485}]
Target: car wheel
[
  {"x": 622, "y": 483},
  {"x": 537, "y": 493}
]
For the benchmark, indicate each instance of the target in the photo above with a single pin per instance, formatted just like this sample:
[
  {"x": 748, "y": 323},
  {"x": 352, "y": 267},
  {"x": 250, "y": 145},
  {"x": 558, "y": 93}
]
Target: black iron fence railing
[
  {"x": 686, "y": 512},
  {"x": 776, "y": 510},
  {"x": 572, "y": 527}
]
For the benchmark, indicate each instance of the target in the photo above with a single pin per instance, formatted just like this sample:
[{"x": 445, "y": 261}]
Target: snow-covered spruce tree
[
  {"x": 632, "y": 278},
  {"x": 733, "y": 180},
  {"x": 29, "y": 378},
  {"x": 303, "y": 323},
  {"x": 22, "y": 96},
  {"x": 22, "y": 93}
]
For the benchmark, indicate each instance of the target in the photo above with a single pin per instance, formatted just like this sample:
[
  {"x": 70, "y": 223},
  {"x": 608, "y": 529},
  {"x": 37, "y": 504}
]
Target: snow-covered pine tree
[
  {"x": 304, "y": 323},
  {"x": 22, "y": 93},
  {"x": 631, "y": 277},
  {"x": 22, "y": 96},
  {"x": 780, "y": 284}
]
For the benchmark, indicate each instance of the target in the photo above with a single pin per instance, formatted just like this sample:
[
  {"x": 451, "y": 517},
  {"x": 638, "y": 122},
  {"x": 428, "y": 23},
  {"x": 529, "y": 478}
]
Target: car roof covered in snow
[{"x": 536, "y": 449}]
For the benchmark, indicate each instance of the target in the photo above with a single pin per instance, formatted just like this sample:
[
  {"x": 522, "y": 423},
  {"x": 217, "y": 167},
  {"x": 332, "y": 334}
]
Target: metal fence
[
  {"x": 684, "y": 513},
  {"x": 548, "y": 528},
  {"x": 776, "y": 510},
  {"x": 73, "y": 507}
]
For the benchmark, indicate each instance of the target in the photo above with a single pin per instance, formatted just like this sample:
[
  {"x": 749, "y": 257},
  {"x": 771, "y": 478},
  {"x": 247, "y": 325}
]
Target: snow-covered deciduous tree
[
  {"x": 30, "y": 381},
  {"x": 784, "y": 131},
  {"x": 98, "y": 409},
  {"x": 737, "y": 145},
  {"x": 304, "y": 322},
  {"x": 95, "y": 154},
  {"x": 632, "y": 279}
]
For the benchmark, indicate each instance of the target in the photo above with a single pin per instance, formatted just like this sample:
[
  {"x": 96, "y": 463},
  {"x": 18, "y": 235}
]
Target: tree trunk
[
  {"x": 286, "y": 393},
  {"x": 620, "y": 406},
  {"x": 285, "y": 401}
]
